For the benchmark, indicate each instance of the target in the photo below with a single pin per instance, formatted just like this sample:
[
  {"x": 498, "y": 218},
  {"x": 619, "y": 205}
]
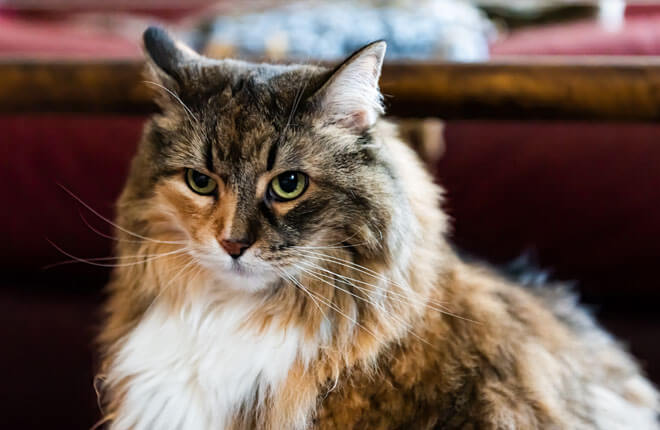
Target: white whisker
[
  {"x": 296, "y": 101},
  {"x": 362, "y": 269},
  {"x": 380, "y": 306},
  {"x": 386, "y": 290},
  {"x": 352, "y": 265},
  {"x": 107, "y": 236},
  {"x": 86, "y": 260},
  {"x": 170, "y": 92},
  {"x": 90, "y": 262},
  {"x": 295, "y": 281},
  {"x": 347, "y": 292},
  {"x": 331, "y": 246},
  {"x": 336, "y": 309},
  {"x": 335, "y": 245},
  {"x": 170, "y": 283},
  {"x": 117, "y": 226},
  {"x": 432, "y": 304}
]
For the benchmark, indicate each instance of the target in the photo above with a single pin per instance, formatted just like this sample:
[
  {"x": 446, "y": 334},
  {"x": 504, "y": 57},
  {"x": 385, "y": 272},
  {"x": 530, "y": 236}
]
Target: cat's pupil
[
  {"x": 200, "y": 179},
  {"x": 288, "y": 182}
]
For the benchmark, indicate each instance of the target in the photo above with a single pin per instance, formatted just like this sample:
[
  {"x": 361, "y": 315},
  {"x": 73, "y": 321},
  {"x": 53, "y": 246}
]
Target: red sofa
[{"x": 584, "y": 197}]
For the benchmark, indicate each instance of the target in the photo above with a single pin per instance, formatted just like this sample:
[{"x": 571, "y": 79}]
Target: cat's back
[{"x": 493, "y": 354}]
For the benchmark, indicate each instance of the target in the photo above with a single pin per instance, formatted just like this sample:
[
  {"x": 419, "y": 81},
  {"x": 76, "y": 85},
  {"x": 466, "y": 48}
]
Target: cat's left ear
[{"x": 350, "y": 97}]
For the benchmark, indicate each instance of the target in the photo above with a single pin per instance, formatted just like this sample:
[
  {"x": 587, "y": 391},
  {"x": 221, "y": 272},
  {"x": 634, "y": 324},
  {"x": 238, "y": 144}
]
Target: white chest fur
[{"x": 194, "y": 369}]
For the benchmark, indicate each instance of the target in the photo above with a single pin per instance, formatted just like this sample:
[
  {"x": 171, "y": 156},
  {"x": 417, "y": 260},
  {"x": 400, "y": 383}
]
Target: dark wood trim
[
  {"x": 73, "y": 86},
  {"x": 591, "y": 88}
]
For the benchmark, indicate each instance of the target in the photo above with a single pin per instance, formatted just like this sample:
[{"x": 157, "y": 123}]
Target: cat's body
[{"x": 345, "y": 308}]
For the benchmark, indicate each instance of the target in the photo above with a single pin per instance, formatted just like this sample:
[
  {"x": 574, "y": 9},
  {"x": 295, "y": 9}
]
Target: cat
[{"x": 284, "y": 265}]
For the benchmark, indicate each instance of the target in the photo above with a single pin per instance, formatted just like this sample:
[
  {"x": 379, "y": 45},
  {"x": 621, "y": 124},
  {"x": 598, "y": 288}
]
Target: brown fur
[{"x": 436, "y": 343}]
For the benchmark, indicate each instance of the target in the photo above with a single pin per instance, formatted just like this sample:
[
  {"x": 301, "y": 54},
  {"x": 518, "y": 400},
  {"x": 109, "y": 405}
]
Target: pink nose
[{"x": 235, "y": 248}]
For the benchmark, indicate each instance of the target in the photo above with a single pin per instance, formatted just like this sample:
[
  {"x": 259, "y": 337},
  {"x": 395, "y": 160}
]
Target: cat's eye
[
  {"x": 288, "y": 186},
  {"x": 200, "y": 183}
]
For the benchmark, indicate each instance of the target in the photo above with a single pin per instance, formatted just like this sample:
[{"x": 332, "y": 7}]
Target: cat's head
[{"x": 258, "y": 168}]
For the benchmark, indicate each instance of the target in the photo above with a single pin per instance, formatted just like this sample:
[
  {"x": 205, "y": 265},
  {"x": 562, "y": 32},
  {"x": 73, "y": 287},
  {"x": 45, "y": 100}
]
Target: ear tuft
[
  {"x": 167, "y": 54},
  {"x": 350, "y": 97}
]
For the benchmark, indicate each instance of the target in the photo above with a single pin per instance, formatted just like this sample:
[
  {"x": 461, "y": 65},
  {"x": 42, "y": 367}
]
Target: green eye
[
  {"x": 288, "y": 186},
  {"x": 200, "y": 183}
]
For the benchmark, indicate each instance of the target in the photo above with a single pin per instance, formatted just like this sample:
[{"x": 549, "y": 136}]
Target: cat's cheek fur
[
  {"x": 196, "y": 367},
  {"x": 174, "y": 207}
]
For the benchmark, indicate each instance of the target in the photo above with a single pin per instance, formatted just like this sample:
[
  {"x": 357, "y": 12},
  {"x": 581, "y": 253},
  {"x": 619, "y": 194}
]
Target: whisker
[
  {"x": 339, "y": 311},
  {"x": 353, "y": 265},
  {"x": 393, "y": 316},
  {"x": 170, "y": 283},
  {"x": 361, "y": 269},
  {"x": 380, "y": 306},
  {"x": 331, "y": 246},
  {"x": 122, "y": 257},
  {"x": 192, "y": 115},
  {"x": 92, "y": 263},
  {"x": 107, "y": 236},
  {"x": 386, "y": 290},
  {"x": 292, "y": 279},
  {"x": 335, "y": 245},
  {"x": 432, "y": 304},
  {"x": 336, "y": 309},
  {"x": 332, "y": 284},
  {"x": 347, "y": 278},
  {"x": 402, "y": 300},
  {"x": 117, "y": 226},
  {"x": 358, "y": 268},
  {"x": 296, "y": 101}
]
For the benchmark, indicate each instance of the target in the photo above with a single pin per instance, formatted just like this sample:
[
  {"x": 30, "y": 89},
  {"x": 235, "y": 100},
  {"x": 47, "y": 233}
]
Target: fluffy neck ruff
[{"x": 180, "y": 351}]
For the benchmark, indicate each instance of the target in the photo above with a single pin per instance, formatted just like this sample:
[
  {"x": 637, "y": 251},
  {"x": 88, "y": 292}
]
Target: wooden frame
[{"x": 576, "y": 88}]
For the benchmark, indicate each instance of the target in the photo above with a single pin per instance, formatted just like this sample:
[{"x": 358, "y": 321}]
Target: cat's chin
[{"x": 240, "y": 276}]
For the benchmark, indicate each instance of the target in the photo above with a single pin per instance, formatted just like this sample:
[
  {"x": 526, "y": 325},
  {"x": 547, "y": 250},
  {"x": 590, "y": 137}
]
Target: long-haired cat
[{"x": 284, "y": 266}]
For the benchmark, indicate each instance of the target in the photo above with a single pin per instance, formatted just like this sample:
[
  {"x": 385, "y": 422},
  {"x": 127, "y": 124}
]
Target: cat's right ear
[{"x": 169, "y": 62}]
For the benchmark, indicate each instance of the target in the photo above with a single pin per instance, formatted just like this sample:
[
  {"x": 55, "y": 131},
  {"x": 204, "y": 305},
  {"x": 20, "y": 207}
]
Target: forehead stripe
[
  {"x": 272, "y": 154},
  {"x": 208, "y": 153}
]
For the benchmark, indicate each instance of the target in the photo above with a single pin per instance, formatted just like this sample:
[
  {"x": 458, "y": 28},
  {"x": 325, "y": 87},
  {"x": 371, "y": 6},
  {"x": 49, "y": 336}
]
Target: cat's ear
[
  {"x": 168, "y": 61},
  {"x": 350, "y": 97}
]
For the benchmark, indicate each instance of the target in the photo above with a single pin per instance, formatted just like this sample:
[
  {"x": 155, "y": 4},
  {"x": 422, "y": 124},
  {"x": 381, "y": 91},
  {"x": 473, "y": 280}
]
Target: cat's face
[{"x": 266, "y": 167}]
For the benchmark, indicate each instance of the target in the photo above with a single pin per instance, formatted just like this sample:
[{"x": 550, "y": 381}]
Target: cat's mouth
[
  {"x": 239, "y": 268},
  {"x": 248, "y": 272},
  {"x": 243, "y": 274},
  {"x": 236, "y": 267}
]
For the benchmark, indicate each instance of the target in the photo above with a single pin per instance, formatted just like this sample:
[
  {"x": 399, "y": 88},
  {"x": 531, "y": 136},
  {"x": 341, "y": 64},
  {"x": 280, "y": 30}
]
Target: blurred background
[{"x": 540, "y": 119}]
